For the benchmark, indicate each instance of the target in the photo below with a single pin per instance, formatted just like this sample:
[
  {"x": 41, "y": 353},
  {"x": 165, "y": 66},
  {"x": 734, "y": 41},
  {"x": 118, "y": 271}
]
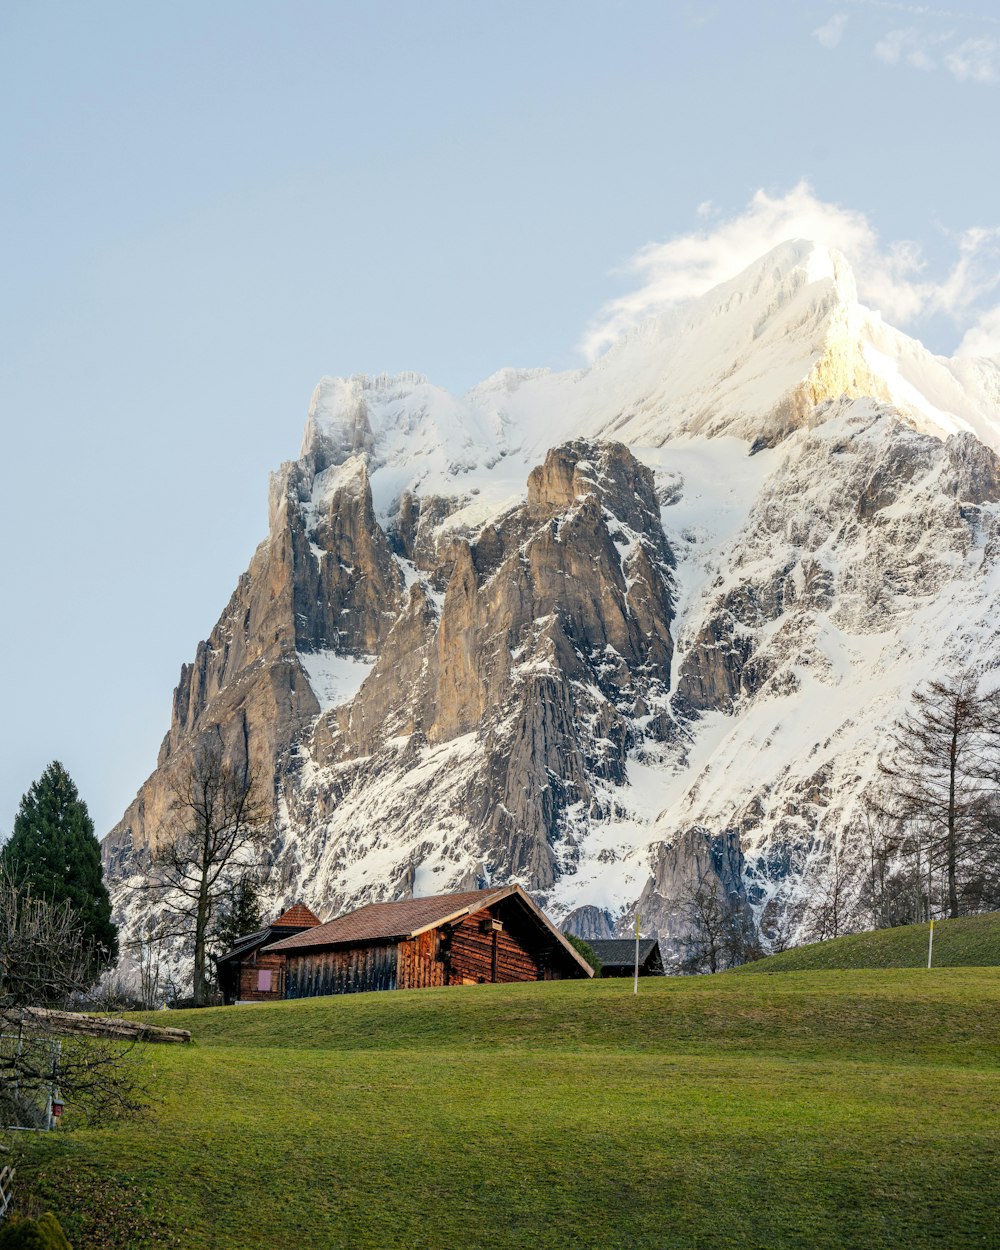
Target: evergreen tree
[
  {"x": 583, "y": 947},
  {"x": 53, "y": 851},
  {"x": 241, "y": 914}
]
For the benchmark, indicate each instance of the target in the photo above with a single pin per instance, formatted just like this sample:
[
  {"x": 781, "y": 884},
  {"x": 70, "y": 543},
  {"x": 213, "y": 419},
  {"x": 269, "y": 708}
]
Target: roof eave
[
  {"x": 282, "y": 948},
  {"x": 237, "y": 951},
  {"x": 495, "y": 896},
  {"x": 498, "y": 896},
  {"x": 567, "y": 946}
]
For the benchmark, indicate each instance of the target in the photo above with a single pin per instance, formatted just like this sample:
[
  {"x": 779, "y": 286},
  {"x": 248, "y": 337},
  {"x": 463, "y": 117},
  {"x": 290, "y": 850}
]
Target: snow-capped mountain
[{"x": 594, "y": 630}]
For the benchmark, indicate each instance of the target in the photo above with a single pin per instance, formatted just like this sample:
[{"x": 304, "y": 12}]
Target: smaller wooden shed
[
  {"x": 448, "y": 939},
  {"x": 247, "y": 973},
  {"x": 617, "y": 956}
]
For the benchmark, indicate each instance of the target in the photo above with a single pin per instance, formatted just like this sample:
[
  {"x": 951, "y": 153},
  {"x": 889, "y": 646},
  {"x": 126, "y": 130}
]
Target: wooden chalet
[
  {"x": 617, "y": 956},
  {"x": 449, "y": 939},
  {"x": 247, "y": 974}
]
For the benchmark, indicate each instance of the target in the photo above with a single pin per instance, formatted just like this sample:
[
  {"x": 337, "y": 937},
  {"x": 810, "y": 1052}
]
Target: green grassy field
[
  {"x": 971, "y": 941},
  {"x": 809, "y": 1110}
]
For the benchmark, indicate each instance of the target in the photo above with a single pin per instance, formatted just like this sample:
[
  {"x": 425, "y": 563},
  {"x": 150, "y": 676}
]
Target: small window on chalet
[{"x": 264, "y": 979}]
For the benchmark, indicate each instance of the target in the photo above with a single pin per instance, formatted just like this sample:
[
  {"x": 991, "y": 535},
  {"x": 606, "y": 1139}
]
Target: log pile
[{"x": 75, "y": 1023}]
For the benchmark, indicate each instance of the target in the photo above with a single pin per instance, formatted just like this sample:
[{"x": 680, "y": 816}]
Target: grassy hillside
[
  {"x": 970, "y": 942},
  {"x": 806, "y": 1111}
]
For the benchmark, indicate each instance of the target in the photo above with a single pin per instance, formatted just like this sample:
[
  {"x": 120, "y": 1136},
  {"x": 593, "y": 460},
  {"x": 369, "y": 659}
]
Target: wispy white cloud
[
  {"x": 892, "y": 276},
  {"x": 972, "y": 60},
  {"x": 983, "y": 336},
  {"x": 975, "y": 60},
  {"x": 928, "y": 10},
  {"x": 923, "y": 44},
  {"x": 831, "y": 32},
  {"x": 911, "y": 46}
]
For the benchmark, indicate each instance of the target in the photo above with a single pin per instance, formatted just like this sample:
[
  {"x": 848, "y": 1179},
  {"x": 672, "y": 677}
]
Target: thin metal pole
[
  {"x": 635, "y": 984},
  {"x": 929, "y": 886},
  {"x": 930, "y": 946},
  {"x": 17, "y": 1057}
]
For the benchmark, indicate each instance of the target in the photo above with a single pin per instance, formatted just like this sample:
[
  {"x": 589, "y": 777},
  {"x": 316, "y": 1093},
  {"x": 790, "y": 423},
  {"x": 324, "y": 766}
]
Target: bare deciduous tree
[
  {"x": 832, "y": 898},
  {"x": 934, "y": 768},
  {"x": 44, "y": 961},
  {"x": 895, "y": 881},
  {"x": 980, "y": 886},
  {"x": 881, "y": 838},
  {"x": 148, "y": 950},
  {"x": 100, "y": 1078},
  {"x": 780, "y": 922},
  {"x": 717, "y": 929},
  {"x": 219, "y": 821}
]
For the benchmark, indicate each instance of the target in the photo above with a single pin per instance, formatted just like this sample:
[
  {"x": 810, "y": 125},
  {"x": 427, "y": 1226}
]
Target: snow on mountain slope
[
  {"x": 752, "y": 358},
  {"x": 868, "y": 560},
  {"x": 542, "y": 631}
]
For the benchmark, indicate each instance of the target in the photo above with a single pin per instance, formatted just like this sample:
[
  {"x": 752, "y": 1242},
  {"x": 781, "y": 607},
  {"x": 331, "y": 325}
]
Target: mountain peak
[
  {"x": 753, "y": 358},
  {"x": 797, "y": 262}
]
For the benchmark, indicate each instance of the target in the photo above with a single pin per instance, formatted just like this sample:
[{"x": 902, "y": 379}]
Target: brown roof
[
  {"x": 410, "y": 916},
  {"x": 389, "y": 920},
  {"x": 297, "y": 916}
]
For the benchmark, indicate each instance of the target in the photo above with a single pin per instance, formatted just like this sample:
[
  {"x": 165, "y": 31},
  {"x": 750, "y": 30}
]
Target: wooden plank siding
[
  {"x": 347, "y": 970},
  {"x": 420, "y": 962},
  {"x": 459, "y": 955},
  {"x": 469, "y": 951},
  {"x": 248, "y": 991}
]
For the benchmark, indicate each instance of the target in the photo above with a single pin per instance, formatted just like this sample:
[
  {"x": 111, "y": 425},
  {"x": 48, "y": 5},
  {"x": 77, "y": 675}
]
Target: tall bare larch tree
[
  {"x": 936, "y": 770},
  {"x": 218, "y": 824}
]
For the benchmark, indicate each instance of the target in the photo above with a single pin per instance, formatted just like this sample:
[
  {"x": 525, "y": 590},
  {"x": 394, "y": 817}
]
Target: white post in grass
[
  {"x": 635, "y": 984},
  {"x": 930, "y": 946}
]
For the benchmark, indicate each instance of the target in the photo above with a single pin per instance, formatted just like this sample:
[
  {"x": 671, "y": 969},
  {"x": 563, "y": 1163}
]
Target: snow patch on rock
[{"x": 335, "y": 679}]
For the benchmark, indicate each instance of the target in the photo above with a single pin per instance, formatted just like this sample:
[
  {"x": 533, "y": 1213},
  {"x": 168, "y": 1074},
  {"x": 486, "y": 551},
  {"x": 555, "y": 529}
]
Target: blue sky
[{"x": 206, "y": 206}]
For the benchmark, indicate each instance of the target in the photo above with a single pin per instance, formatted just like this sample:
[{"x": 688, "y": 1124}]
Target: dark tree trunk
[{"x": 952, "y": 847}]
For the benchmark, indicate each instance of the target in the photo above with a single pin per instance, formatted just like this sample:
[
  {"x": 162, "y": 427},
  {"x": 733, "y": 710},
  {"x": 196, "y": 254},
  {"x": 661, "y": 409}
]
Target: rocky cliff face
[
  {"x": 604, "y": 633},
  {"x": 536, "y": 670}
]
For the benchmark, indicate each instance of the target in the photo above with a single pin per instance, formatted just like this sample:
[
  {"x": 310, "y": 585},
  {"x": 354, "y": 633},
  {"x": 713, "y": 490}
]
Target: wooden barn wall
[
  {"x": 248, "y": 991},
  {"x": 348, "y": 970},
  {"x": 519, "y": 949},
  {"x": 420, "y": 962}
]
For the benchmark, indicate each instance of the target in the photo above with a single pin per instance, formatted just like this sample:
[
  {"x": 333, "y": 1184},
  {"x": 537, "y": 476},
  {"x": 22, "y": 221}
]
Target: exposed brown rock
[{"x": 319, "y": 581}]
